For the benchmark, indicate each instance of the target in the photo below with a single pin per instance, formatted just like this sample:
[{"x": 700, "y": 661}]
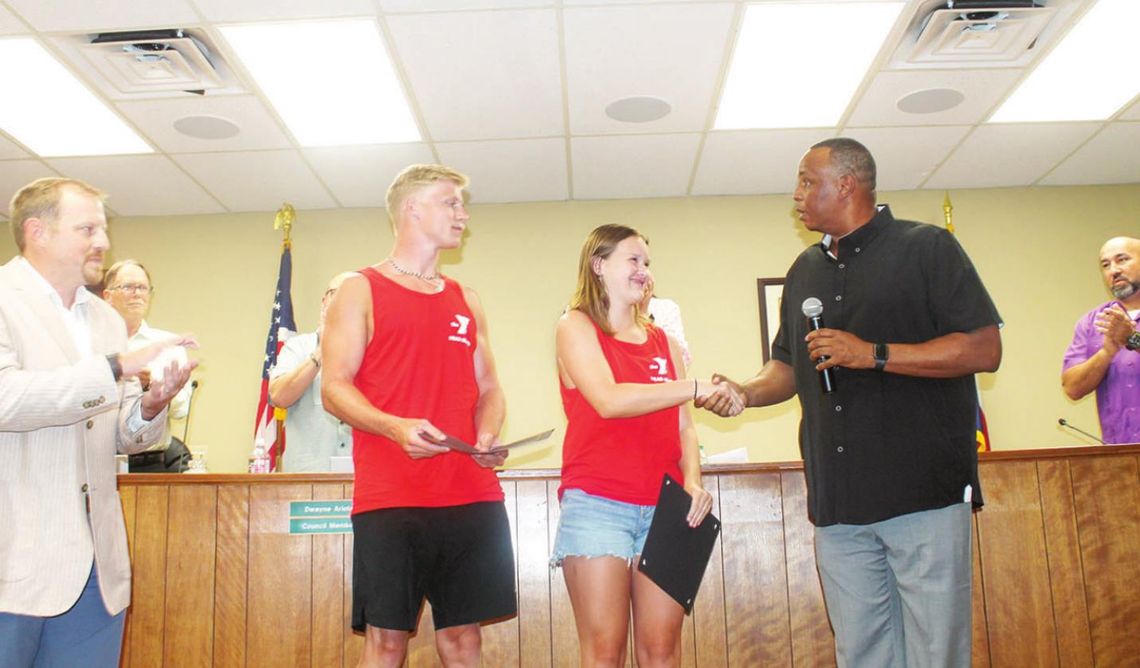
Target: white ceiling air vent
[
  {"x": 976, "y": 33},
  {"x": 153, "y": 60}
]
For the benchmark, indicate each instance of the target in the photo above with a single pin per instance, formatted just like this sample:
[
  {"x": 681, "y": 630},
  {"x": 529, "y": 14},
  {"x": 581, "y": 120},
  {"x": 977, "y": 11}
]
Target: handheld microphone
[
  {"x": 813, "y": 311},
  {"x": 189, "y": 406},
  {"x": 1065, "y": 423}
]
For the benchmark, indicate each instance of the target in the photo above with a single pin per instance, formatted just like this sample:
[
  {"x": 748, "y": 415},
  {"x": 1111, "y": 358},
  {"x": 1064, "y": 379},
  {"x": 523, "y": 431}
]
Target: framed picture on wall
[{"x": 771, "y": 291}]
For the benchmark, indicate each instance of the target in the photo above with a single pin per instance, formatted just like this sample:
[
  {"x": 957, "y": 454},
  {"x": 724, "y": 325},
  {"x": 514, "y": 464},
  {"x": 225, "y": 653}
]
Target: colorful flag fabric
[
  {"x": 281, "y": 327},
  {"x": 982, "y": 432}
]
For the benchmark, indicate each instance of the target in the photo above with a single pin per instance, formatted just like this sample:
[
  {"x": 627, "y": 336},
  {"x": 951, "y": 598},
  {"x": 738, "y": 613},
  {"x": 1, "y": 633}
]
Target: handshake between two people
[{"x": 720, "y": 395}]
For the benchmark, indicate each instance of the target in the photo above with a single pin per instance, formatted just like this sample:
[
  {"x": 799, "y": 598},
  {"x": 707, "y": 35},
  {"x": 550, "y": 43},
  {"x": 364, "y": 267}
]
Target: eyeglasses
[{"x": 137, "y": 288}]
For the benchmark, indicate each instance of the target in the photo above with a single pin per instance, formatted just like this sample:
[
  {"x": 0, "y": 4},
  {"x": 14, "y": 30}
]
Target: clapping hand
[
  {"x": 159, "y": 388},
  {"x": 1115, "y": 326},
  {"x": 159, "y": 392}
]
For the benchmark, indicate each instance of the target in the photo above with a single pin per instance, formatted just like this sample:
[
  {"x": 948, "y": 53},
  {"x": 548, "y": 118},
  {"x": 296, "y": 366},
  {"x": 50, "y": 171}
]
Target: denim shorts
[{"x": 594, "y": 526}]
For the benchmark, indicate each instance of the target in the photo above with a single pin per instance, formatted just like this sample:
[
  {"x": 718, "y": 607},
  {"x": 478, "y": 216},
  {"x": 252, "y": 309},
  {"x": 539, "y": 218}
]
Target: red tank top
[
  {"x": 420, "y": 363},
  {"x": 623, "y": 458}
]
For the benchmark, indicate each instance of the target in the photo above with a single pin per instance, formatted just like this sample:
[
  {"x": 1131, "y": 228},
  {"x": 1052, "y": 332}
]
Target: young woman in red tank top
[{"x": 625, "y": 397}]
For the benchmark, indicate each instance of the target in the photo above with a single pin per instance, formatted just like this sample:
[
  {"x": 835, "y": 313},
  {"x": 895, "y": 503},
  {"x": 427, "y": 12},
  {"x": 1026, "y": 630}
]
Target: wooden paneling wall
[{"x": 218, "y": 581}]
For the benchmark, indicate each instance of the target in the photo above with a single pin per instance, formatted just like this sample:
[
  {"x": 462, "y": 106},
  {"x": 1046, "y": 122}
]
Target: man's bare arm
[{"x": 347, "y": 331}]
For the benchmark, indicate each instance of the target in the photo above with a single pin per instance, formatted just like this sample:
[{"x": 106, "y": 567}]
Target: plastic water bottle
[{"x": 259, "y": 461}]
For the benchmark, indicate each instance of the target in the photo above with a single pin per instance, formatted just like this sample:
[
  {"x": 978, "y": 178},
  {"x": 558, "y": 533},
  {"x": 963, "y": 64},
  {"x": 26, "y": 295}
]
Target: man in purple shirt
[{"x": 1105, "y": 352}]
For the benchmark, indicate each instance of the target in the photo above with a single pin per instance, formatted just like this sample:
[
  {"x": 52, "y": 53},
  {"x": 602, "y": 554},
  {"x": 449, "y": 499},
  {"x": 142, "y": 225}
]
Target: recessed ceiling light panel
[
  {"x": 1089, "y": 76},
  {"x": 51, "y": 112},
  {"x": 331, "y": 81},
  {"x": 798, "y": 64}
]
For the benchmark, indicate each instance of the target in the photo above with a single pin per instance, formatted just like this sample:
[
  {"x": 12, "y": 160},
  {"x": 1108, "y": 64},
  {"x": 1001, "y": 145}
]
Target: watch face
[{"x": 1133, "y": 341}]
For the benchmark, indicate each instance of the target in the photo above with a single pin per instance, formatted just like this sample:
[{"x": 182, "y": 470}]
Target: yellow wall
[{"x": 1035, "y": 249}]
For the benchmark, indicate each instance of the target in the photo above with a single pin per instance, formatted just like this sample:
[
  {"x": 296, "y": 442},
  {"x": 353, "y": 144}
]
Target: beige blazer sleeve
[{"x": 62, "y": 419}]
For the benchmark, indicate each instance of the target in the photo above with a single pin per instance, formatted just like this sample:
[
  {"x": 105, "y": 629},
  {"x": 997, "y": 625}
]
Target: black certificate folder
[{"x": 675, "y": 554}]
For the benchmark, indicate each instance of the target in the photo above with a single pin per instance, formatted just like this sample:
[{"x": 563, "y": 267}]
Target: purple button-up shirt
[{"x": 1118, "y": 395}]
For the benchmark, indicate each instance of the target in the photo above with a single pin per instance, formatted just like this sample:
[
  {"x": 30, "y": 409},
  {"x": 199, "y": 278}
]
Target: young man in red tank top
[{"x": 406, "y": 362}]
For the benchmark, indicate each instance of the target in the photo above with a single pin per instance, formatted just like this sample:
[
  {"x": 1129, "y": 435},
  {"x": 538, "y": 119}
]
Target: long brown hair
[{"x": 590, "y": 296}]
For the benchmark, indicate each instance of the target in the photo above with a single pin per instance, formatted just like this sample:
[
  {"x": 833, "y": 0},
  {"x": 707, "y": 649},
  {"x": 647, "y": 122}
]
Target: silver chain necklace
[{"x": 408, "y": 272}]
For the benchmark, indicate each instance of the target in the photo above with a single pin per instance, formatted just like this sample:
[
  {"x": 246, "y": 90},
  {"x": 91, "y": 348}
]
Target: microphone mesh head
[{"x": 812, "y": 307}]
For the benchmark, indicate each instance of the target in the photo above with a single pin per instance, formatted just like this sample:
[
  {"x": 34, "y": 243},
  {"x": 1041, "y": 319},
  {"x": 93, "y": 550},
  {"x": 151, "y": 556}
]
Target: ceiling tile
[
  {"x": 633, "y": 165},
  {"x": 982, "y": 90},
  {"x": 522, "y": 170},
  {"x": 905, "y": 157},
  {"x": 10, "y": 150},
  {"x": 10, "y": 24},
  {"x": 359, "y": 176},
  {"x": 1109, "y": 157},
  {"x": 156, "y": 118},
  {"x": 15, "y": 174},
  {"x": 269, "y": 10},
  {"x": 257, "y": 180},
  {"x": 674, "y": 53},
  {"x": 483, "y": 75},
  {"x": 104, "y": 15},
  {"x": 397, "y": 6},
  {"x": 751, "y": 162},
  {"x": 1009, "y": 154},
  {"x": 140, "y": 185}
]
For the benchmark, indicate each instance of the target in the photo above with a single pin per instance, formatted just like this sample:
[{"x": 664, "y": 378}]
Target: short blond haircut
[
  {"x": 40, "y": 199},
  {"x": 415, "y": 177}
]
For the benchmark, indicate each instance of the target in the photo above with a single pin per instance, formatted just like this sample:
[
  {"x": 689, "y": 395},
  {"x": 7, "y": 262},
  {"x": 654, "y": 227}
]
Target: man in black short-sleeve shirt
[
  {"x": 889, "y": 455},
  {"x": 899, "y": 282}
]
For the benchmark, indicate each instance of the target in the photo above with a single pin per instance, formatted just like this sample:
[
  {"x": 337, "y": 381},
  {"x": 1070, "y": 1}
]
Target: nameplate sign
[
  {"x": 338, "y": 508},
  {"x": 320, "y": 517},
  {"x": 311, "y": 526}
]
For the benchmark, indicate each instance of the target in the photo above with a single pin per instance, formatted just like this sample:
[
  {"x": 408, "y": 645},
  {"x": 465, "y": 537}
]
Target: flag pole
[
  {"x": 283, "y": 220},
  {"x": 982, "y": 431}
]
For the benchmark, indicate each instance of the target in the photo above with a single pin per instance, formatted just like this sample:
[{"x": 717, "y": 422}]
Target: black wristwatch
[
  {"x": 1133, "y": 342},
  {"x": 882, "y": 354}
]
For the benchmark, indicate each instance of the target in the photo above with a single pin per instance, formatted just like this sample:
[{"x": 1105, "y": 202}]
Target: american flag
[
  {"x": 281, "y": 327},
  {"x": 982, "y": 429}
]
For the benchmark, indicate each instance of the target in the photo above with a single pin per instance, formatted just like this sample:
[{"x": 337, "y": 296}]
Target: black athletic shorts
[{"x": 458, "y": 557}]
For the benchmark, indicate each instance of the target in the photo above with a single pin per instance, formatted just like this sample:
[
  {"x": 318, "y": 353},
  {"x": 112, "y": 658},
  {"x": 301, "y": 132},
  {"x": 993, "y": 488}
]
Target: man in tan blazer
[{"x": 68, "y": 402}]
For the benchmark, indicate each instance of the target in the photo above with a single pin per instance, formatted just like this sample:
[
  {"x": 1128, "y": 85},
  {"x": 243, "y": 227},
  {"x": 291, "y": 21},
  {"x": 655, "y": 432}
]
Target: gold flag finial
[
  {"x": 284, "y": 220},
  {"x": 947, "y": 212}
]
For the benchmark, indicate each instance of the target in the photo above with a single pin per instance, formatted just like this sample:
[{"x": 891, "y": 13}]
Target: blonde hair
[
  {"x": 590, "y": 295},
  {"x": 40, "y": 199},
  {"x": 415, "y": 177}
]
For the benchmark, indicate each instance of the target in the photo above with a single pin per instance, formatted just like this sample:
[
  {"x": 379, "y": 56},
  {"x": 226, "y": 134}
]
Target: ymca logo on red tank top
[
  {"x": 460, "y": 325},
  {"x": 659, "y": 370}
]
